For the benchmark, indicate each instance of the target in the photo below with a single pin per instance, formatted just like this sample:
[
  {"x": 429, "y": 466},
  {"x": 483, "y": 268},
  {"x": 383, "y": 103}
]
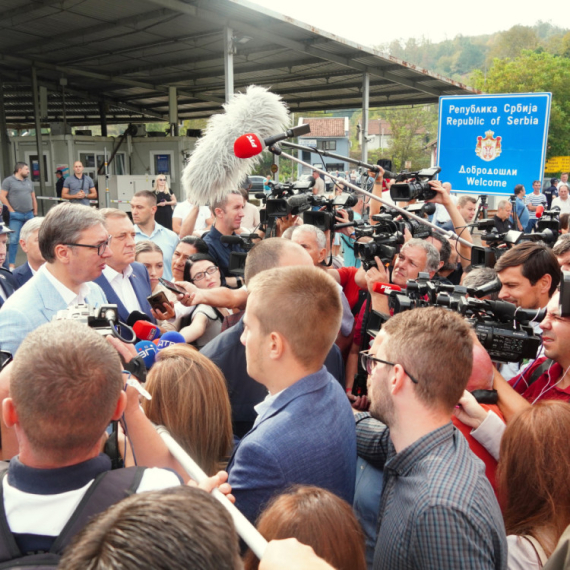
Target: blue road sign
[{"x": 487, "y": 144}]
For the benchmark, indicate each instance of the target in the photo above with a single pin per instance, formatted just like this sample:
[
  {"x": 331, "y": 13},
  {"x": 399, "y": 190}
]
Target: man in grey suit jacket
[
  {"x": 75, "y": 244},
  {"x": 304, "y": 432}
]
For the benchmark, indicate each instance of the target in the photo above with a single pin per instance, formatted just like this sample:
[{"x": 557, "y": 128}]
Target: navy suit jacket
[
  {"x": 307, "y": 436},
  {"x": 141, "y": 285},
  {"x": 7, "y": 282},
  {"x": 228, "y": 353},
  {"x": 23, "y": 273}
]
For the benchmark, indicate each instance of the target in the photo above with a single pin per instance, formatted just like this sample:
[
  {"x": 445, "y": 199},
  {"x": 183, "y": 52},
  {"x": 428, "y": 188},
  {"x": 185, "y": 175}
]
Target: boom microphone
[
  {"x": 213, "y": 169},
  {"x": 251, "y": 144}
]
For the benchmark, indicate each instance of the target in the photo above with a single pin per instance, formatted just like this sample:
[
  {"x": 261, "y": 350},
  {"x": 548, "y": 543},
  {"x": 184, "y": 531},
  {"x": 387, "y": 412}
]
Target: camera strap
[{"x": 539, "y": 371}]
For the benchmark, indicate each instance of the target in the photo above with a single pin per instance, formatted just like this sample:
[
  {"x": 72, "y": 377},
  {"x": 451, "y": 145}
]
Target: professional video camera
[
  {"x": 549, "y": 221},
  {"x": 236, "y": 265},
  {"x": 104, "y": 319},
  {"x": 417, "y": 188},
  {"x": 387, "y": 239},
  {"x": 416, "y": 229},
  {"x": 503, "y": 329}
]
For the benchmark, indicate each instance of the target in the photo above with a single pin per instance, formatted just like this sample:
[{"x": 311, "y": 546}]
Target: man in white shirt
[
  {"x": 143, "y": 208},
  {"x": 563, "y": 180},
  {"x": 182, "y": 211},
  {"x": 562, "y": 200},
  {"x": 124, "y": 281},
  {"x": 75, "y": 244}
]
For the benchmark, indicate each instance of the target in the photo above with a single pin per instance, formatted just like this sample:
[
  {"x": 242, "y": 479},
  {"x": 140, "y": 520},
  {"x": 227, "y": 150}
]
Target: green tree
[
  {"x": 513, "y": 41},
  {"x": 533, "y": 72},
  {"x": 412, "y": 128}
]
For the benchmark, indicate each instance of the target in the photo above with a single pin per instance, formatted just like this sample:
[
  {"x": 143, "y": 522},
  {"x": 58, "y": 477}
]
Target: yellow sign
[
  {"x": 558, "y": 164},
  {"x": 274, "y": 168}
]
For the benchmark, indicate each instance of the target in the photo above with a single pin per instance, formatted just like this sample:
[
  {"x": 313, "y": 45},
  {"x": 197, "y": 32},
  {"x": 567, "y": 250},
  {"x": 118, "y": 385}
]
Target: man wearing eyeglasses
[
  {"x": 438, "y": 509},
  {"x": 75, "y": 244}
]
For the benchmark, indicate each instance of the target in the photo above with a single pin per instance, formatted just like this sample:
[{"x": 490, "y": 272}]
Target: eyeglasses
[
  {"x": 100, "y": 247},
  {"x": 367, "y": 360},
  {"x": 210, "y": 271}
]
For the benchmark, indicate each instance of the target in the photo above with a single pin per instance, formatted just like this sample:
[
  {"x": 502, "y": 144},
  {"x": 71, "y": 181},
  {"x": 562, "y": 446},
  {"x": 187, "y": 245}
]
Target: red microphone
[
  {"x": 146, "y": 331},
  {"x": 248, "y": 145},
  {"x": 386, "y": 288},
  {"x": 539, "y": 211}
]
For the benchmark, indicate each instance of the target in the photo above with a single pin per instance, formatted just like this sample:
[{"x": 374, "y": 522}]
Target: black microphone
[
  {"x": 137, "y": 316},
  {"x": 289, "y": 133}
]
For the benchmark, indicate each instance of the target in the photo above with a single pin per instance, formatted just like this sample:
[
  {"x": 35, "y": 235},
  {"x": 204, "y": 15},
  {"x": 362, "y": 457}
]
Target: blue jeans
[{"x": 17, "y": 220}]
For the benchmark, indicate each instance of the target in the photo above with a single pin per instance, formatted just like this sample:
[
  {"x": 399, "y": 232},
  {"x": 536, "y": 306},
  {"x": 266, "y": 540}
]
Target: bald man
[{"x": 481, "y": 379}]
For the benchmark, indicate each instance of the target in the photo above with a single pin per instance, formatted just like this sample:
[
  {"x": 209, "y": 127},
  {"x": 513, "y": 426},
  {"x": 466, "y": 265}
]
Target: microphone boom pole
[
  {"x": 447, "y": 233},
  {"x": 250, "y": 535},
  {"x": 373, "y": 167}
]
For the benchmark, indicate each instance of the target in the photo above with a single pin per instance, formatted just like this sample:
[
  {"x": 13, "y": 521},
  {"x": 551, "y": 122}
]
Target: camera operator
[
  {"x": 546, "y": 378},
  {"x": 447, "y": 257},
  {"x": 467, "y": 207},
  {"x": 529, "y": 274},
  {"x": 562, "y": 201},
  {"x": 502, "y": 219}
]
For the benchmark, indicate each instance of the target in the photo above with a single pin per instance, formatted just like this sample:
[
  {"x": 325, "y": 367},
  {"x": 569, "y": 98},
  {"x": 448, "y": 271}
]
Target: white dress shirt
[
  {"x": 123, "y": 287},
  {"x": 69, "y": 297}
]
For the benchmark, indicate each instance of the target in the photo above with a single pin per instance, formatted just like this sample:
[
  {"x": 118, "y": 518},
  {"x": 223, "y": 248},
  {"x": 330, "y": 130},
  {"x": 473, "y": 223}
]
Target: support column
[
  {"x": 229, "y": 62},
  {"x": 365, "y": 105},
  {"x": 173, "y": 110},
  {"x": 39, "y": 141},
  {"x": 103, "y": 117},
  {"x": 4, "y": 141}
]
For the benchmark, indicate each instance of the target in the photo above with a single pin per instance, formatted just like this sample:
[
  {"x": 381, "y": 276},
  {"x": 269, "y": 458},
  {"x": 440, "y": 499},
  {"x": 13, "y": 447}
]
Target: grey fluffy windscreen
[{"x": 213, "y": 169}]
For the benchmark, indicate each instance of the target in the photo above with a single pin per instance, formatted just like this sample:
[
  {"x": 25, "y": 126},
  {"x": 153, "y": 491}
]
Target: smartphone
[
  {"x": 171, "y": 286},
  {"x": 157, "y": 301}
]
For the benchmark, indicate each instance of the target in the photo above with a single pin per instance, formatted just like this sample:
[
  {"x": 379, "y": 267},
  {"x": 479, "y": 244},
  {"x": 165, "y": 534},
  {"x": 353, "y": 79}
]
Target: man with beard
[{"x": 437, "y": 509}]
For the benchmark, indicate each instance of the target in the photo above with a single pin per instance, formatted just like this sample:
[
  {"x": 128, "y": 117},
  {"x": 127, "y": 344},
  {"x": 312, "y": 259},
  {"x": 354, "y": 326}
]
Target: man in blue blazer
[
  {"x": 75, "y": 244},
  {"x": 124, "y": 282},
  {"x": 304, "y": 432},
  {"x": 31, "y": 247}
]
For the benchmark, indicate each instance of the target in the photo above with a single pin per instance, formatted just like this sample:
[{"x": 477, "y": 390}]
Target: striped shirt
[
  {"x": 438, "y": 510},
  {"x": 535, "y": 200}
]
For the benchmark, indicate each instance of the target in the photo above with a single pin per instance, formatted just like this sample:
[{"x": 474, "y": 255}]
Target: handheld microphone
[
  {"x": 169, "y": 338},
  {"x": 386, "y": 288},
  {"x": 156, "y": 341},
  {"x": 147, "y": 351},
  {"x": 146, "y": 331},
  {"x": 539, "y": 211},
  {"x": 137, "y": 316},
  {"x": 213, "y": 169}
]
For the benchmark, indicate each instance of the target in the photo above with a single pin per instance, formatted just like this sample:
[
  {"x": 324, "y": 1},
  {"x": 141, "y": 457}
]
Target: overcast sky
[{"x": 374, "y": 22}]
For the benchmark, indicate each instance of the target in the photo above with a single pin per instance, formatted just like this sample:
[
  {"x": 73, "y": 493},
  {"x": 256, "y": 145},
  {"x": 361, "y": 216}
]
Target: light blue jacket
[{"x": 33, "y": 305}]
